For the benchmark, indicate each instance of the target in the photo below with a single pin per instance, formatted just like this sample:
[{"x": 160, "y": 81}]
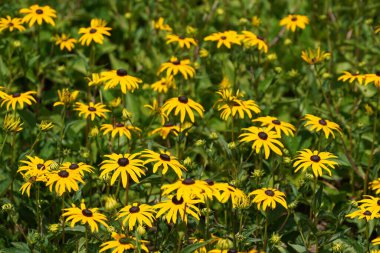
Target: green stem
[
  {"x": 87, "y": 239},
  {"x": 2, "y": 145},
  {"x": 266, "y": 230}
]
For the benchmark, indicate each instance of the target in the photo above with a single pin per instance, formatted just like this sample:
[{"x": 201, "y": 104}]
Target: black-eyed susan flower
[
  {"x": 237, "y": 196},
  {"x": 39, "y": 14},
  {"x": 35, "y": 166},
  {"x": 65, "y": 42},
  {"x": 181, "y": 40},
  {"x": 250, "y": 39},
  {"x": 77, "y": 167},
  {"x": 91, "y": 110},
  {"x": 156, "y": 110},
  {"x": 122, "y": 243},
  {"x": 184, "y": 106},
  {"x": 314, "y": 57},
  {"x": 29, "y": 182},
  {"x": 12, "y": 123},
  {"x": 349, "y": 77},
  {"x": 11, "y": 24},
  {"x": 64, "y": 180},
  {"x": 160, "y": 25},
  {"x": 123, "y": 165},
  {"x": 119, "y": 77},
  {"x": 66, "y": 97},
  {"x": 45, "y": 126},
  {"x": 262, "y": 138},
  {"x": 140, "y": 214},
  {"x": 188, "y": 189},
  {"x": 376, "y": 241},
  {"x": 95, "y": 32},
  {"x": 120, "y": 129},
  {"x": 177, "y": 208},
  {"x": 370, "y": 203},
  {"x": 163, "y": 160},
  {"x": 163, "y": 85},
  {"x": 292, "y": 21},
  {"x": 363, "y": 213},
  {"x": 268, "y": 197},
  {"x": 94, "y": 80},
  {"x": 90, "y": 216},
  {"x": 19, "y": 98},
  {"x": 274, "y": 123},
  {"x": 375, "y": 78},
  {"x": 318, "y": 161},
  {"x": 175, "y": 66},
  {"x": 166, "y": 129},
  {"x": 226, "y": 38},
  {"x": 314, "y": 123},
  {"x": 375, "y": 185},
  {"x": 219, "y": 188}
]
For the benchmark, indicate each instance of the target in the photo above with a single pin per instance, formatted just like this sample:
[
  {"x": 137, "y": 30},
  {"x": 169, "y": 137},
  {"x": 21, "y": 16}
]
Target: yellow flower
[
  {"x": 183, "y": 105},
  {"x": 166, "y": 129},
  {"x": 90, "y": 216},
  {"x": 347, "y": 76},
  {"x": 95, "y": 32},
  {"x": 255, "y": 21},
  {"x": 163, "y": 85},
  {"x": 79, "y": 168},
  {"x": 120, "y": 77},
  {"x": 375, "y": 78},
  {"x": 165, "y": 160},
  {"x": 65, "y": 42},
  {"x": 91, "y": 110},
  {"x": 66, "y": 97},
  {"x": 188, "y": 189},
  {"x": 370, "y": 203},
  {"x": 174, "y": 208},
  {"x": 376, "y": 241},
  {"x": 318, "y": 124},
  {"x": 20, "y": 98},
  {"x": 252, "y": 40},
  {"x": 375, "y": 185},
  {"x": 363, "y": 213},
  {"x": 268, "y": 197},
  {"x": 119, "y": 129},
  {"x": 226, "y": 38},
  {"x": 64, "y": 181},
  {"x": 141, "y": 214},
  {"x": 36, "y": 13},
  {"x": 110, "y": 203},
  {"x": 182, "y": 41},
  {"x": 203, "y": 53},
  {"x": 124, "y": 165},
  {"x": 262, "y": 138},
  {"x": 279, "y": 126},
  {"x": 157, "y": 110},
  {"x": 12, "y": 123},
  {"x": 25, "y": 188},
  {"x": 175, "y": 66},
  {"x": 11, "y": 24},
  {"x": 316, "y": 160},
  {"x": 115, "y": 102},
  {"x": 35, "y": 166},
  {"x": 314, "y": 57},
  {"x": 291, "y": 22},
  {"x": 122, "y": 243},
  {"x": 45, "y": 125},
  {"x": 94, "y": 80},
  {"x": 159, "y": 25}
]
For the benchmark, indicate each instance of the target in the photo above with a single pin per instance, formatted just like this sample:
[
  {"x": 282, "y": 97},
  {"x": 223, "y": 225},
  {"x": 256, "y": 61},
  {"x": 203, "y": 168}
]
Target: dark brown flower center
[
  {"x": 32, "y": 179},
  {"x": 169, "y": 124},
  {"x": 294, "y": 19},
  {"x": 377, "y": 73},
  {"x": 232, "y": 251},
  {"x": 234, "y": 103},
  {"x": 40, "y": 166},
  {"x": 73, "y": 166},
  {"x": 39, "y": 11},
  {"x": 263, "y": 135},
  {"x": 165, "y": 157},
  {"x": 121, "y": 72},
  {"x": 124, "y": 241},
  {"x": 16, "y": 95},
  {"x": 181, "y": 37},
  {"x": 10, "y": 24},
  {"x": 119, "y": 125},
  {"x": 92, "y": 109},
  {"x": 134, "y": 209},
  {"x": 183, "y": 99},
  {"x": 177, "y": 201},
  {"x": 378, "y": 202},
  {"x": 367, "y": 213},
  {"x": 188, "y": 181},
  {"x": 209, "y": 182},
  {"x": 176, "y": 62},
  {"x": 276, "y": 122},
  {"x": 315, "y": 158},
  {"x": 260, "y": 37},
  {"x": 223, "y": 37},
  {"x": 93, "y": 30},
  {"x": 163, "y": 83},
  {"x": 87, "y": 213},
  {"x": 63, "y": 174},
  {"x": 270, "y": 193},
  {"x": 123, "y": 161},
  {"x": 322, "y": 122}
]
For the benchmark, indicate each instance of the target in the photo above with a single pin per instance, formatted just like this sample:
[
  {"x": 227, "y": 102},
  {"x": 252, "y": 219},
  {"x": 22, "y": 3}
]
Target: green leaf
[
  {"x": 298, "y": 248},
  {"x": 194, "y": 247}
]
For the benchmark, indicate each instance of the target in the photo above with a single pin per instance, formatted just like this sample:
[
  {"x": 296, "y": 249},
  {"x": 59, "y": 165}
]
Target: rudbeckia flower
[
  {"x": 122, "y": 243},
  {"x": 35, "y": 166},
  {"x": 95, "y": 32},
  {"x": 182, "y": 41},
  {"x": 159, "y": 25},
  {"x": 291, "y": 22},
  {"x": 187, "y": 189},
  {"x": 268, "y": 197},
  {"x": 120, "y": 129},
  {"x": 65, "y": 42},
  {"x": 90, "y": 216},
  {"x": 314, "y": 57},
  {"x": 274, "y": 123},
  {"x": 262, "y": 138},
  {"x": 163, "y": 160},
  {"x": 318, "y": 124},
  {"x": 12, "y": 123},
  {"x": 156, "y": 110},
  {"x": 375, "y": 185},
  {"x": 66, "y": 97},
  {"x": 64, "y": 181},
  {"x": 226, "y": 38},
  {"x": 20, "y": 99},
  {"x": 175, "y": 66},
  {"x": 91, "y": 110},
  {"x": 166, "y": 129},
  {"x": 11, "y": 24},
  {"x": 363, "y": 213},
  {"x": 79, "y": 168},
  {"x": 183, "y": 105},
  {"x": 251, "y": 39},
  {"x": 370, "y": 203},
  {"x": 347, "y": 76},
  {"x": 36, "y": 13},
  {"x": 375, "y": 78},
  {"x": 318, "y": 161},
  {"x": 163, "y": 85},
  {"x": 120, "y": 77},
  {"x": 137, "y": 214}
]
